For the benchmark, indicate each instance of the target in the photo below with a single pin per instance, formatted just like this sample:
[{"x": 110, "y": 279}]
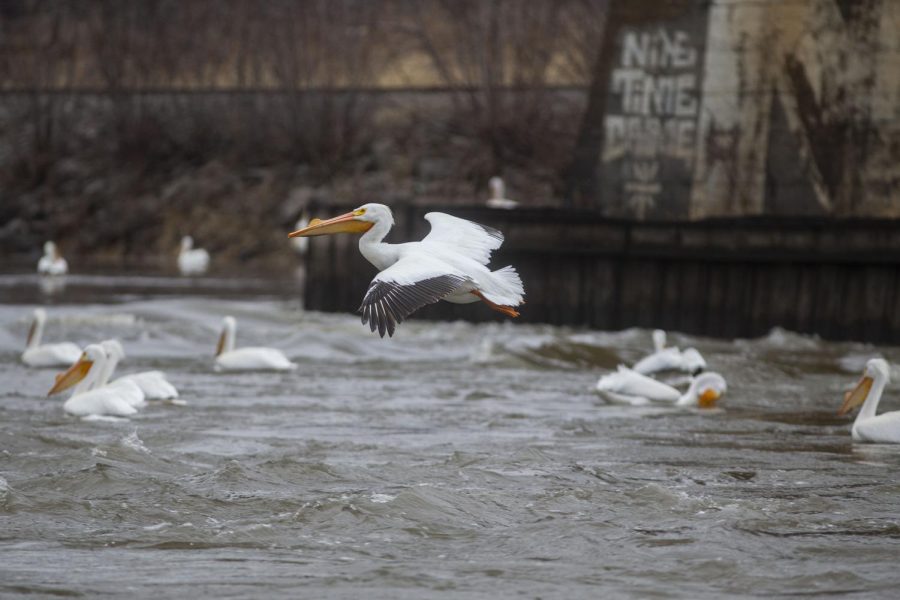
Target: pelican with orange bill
[
  {"x": 46, "y": 355},
  {"x": 626, "y": 386},
  {"x": 251, "y": 358},
  {"x": 449, "y": 264},
  {"x": 86, "y": 400},
  {"x": 869, "y": 427}
]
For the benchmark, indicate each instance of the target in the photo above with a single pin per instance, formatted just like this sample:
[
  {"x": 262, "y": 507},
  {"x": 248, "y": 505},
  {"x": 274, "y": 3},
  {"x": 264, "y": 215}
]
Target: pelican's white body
[
  {"x": 192, "y": 261},
  {"x": 89, "y": 400},
  {"x": 47, "y": 355},
  {"x": 248, "y": 359},
  {"x": 626, "y": 386},
  {"x": 454, "y": 247},
  {"x": 52, "y": 263},
  {"x": 869, "y": 427}
]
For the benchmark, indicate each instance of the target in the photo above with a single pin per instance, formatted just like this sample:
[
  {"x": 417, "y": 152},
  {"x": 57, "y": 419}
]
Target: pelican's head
[
  {"x": 356, "y": 221},
  {"x": 49, "y": 248},
  {"x": 187, "y": 242},
  {"x": 693, "y": 361},
  {"x": 709, "y": 387},
  {"x": 79, "y": 370},
  {"x": 876, "y": 369}
]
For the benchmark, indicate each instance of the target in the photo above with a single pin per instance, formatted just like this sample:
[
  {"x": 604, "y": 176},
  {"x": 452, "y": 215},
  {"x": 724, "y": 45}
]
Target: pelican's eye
[{"x": 359, "y": 212}]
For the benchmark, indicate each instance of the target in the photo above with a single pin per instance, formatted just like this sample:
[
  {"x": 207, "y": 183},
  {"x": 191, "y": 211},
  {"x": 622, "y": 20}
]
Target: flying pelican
[
  {"x": 247, "y": 359},
  {"x": 47, "y": 355},
  {"x": 153, "y": 385},
  {"x": 450, "y": 264},
  {"x": 192, "y": 261},
  {"x": 869, "y": 427},
  {"x": 85, "y": 399},
  {"x": 498, "y": 197},
  {"x": 52, "y": 262},
  {"x": 688, "y": 360},
  {"x": 626, "y": 386}
]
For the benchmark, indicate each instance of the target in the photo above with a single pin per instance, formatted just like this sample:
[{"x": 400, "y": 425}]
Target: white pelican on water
[
  {"x": 498, "y": 197},
  {"x": 247, "y": 359},
  {"x": 192, "y": 261},
  {"x": 450, "y": 264},
  {"x": 688, "y": 360},
  {"x": 52, "y": 262},
  {"x": 86, "y": 400},
  {"x": 869, "y": 427},
  {"x": 626, "y": 386},
  {"x": 47, "y": 355},
  {"x": 153, "y": 385}
]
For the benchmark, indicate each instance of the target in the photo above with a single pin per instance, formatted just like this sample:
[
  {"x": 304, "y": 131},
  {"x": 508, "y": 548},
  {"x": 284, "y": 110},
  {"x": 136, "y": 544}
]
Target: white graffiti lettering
[{"x": 657, "y": 85}]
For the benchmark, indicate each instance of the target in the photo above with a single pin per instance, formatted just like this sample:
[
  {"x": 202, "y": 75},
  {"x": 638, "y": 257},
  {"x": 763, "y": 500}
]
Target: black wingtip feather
[{"x": 387, "y": 303}]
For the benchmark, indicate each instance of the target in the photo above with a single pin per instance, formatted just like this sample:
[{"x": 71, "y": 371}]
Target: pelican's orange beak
[
  {"x": 76, "y": 373},
  {"x": 347, "y": 223},
  {"x": 708, "y": 398},
  {"x": 856, "y": 396}
]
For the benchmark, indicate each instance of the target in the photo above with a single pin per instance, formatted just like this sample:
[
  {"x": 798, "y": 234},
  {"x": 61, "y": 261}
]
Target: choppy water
[{"x": 455, "y": 460}]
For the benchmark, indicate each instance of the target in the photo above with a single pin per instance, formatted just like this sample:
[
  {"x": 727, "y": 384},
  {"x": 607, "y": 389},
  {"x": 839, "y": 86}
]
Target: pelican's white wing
[
  {"x": 663, "y": 360},
  {"x": 465, "y": 237},
  {"x": 406, "y": 286},
  {"x": 154, "y": 385},
  {"x": 626, "y": 382}
]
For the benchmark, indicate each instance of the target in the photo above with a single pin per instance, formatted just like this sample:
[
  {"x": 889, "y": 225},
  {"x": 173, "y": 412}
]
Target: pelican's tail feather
[{"x": 505, "y": 287}]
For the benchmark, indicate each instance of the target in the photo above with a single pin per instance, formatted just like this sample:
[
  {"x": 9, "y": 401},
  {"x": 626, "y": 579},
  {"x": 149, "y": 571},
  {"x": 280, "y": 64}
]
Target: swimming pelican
[
  {"x": 450, "y": 264},
  {"x": 498, "y": 197},
  {"x": 192, "y": 261},
  {"x": 300, "y": 244},
  {"x": 47, "y": 355},
  {"x": 247, "y": 359},
  {"x": 152, "y": 385},
  {"x": 626, "y": 386},
  {"x": 85, "y": 399},
  {"x": 52, "y": 262},
  {"x": 688, "y": 360},
  {"x": 869, "y": 427}
]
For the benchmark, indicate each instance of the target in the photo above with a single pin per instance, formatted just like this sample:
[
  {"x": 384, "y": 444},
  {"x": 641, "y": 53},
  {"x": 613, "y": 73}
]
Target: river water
[{"x": 454, "y": 460}]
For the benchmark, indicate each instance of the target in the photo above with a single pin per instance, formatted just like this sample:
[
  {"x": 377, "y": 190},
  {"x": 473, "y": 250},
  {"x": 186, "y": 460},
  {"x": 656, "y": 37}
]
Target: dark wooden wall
[{"x": 723, "y": 277}]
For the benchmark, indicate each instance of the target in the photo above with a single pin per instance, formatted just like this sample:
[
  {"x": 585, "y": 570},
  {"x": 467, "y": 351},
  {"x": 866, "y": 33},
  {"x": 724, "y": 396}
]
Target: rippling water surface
[{"x": 455, "y": 460}]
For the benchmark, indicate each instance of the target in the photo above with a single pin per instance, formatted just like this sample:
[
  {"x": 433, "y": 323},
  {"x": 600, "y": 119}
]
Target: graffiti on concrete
[{"x": 651, "y": 125}]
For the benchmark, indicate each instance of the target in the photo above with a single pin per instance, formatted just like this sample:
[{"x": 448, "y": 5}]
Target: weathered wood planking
[{"x": 724, "y": 277}]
